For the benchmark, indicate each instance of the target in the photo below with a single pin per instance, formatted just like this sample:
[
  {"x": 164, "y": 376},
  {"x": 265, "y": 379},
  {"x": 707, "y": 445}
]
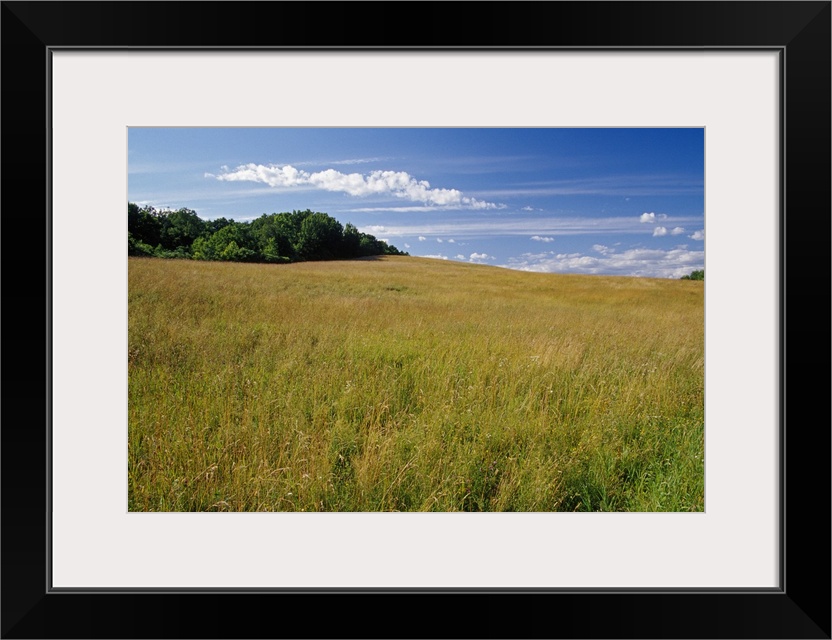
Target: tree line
[
  {"x": 695, "y": 275},
  {"x": 276, "y": 237}
]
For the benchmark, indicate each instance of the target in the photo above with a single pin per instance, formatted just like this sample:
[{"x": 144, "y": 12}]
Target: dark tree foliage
[
  {"x": 180, "y": 229},
  {"x": 144, "y": 224},
  {"x": 320, "y": 237},
  {"x": 277, "y": 237},
  {"x": 212, "y": 226},
  {"x": 695, "y": 275}
]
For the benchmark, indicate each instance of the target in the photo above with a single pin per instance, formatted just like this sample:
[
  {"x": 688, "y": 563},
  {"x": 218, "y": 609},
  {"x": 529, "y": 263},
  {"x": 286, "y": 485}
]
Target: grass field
[{"x": 411, "y": 384}]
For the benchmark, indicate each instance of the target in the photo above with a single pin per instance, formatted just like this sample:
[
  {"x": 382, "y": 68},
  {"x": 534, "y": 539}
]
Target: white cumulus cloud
[
  {"x": 542, "y": 239},
  {"x": 677, "y": 231},
  {"x": 698, "y": 235},
  {"x": 436, "y": 255},
  {"x": 398, "y": 184},
  {"x": 648, "y": 263},
  {"x": 652, "y": 217},
  {"x": 659, "y": 231},
  {"x": 422, "y": 238}
]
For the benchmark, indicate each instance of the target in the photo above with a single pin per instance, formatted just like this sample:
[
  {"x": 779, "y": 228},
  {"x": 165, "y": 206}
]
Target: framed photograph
[{"x": 89, "y": 90}]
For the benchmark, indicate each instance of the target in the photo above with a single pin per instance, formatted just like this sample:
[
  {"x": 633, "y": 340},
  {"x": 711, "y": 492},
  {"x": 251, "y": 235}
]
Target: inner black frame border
[{"x": 799, "y": 31}]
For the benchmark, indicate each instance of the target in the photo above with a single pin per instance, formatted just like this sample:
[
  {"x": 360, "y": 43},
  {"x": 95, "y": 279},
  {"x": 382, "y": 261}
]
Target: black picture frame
[{"x": 800, "y": 608}]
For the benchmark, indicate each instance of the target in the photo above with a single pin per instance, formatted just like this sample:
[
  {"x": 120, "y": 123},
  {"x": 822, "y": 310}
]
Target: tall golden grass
[{"x": 411, "y": 384}]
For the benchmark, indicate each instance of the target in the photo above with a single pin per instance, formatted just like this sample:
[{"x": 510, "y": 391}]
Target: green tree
[
  {"x": 371, "y": 246},
  {"x": 695, "y": 275},
  {"x": 278, "y": 237},
  {"x": 202, "y": 249},
  {"x": 320, "y": 237},
  {"x": 136, "y": 247},
  {"x": 232, "y": 243},
  {"x": 275, "y": 236},
  {"x": 144, "y": 224},
  {"x": 212, "y": 226},
  {"x": 180, "y": 228},
  {"x": 351, "y": 243}
]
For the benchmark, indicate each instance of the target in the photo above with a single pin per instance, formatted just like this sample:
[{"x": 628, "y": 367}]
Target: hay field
[{"x": 411, "y": 384}]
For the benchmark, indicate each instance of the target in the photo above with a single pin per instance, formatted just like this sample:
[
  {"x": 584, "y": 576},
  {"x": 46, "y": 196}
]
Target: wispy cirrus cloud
[
  {"x": 156, "y": 204},
  {"x": 414, "y": 209},
  {"x": 352, "y": 161},
  {"x": 530, "y": 227},
  {"x": 397, "y": 184},
  {"x": 627, "y": 186}
]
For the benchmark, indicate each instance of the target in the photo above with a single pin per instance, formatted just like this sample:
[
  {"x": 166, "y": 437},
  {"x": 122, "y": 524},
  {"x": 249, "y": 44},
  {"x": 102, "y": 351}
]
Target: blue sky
[{"x": 595, "y": 201}]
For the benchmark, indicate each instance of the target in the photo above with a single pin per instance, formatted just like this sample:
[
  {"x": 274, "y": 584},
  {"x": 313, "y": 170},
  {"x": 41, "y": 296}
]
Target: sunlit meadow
[{"x": 411, "y": 384}]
